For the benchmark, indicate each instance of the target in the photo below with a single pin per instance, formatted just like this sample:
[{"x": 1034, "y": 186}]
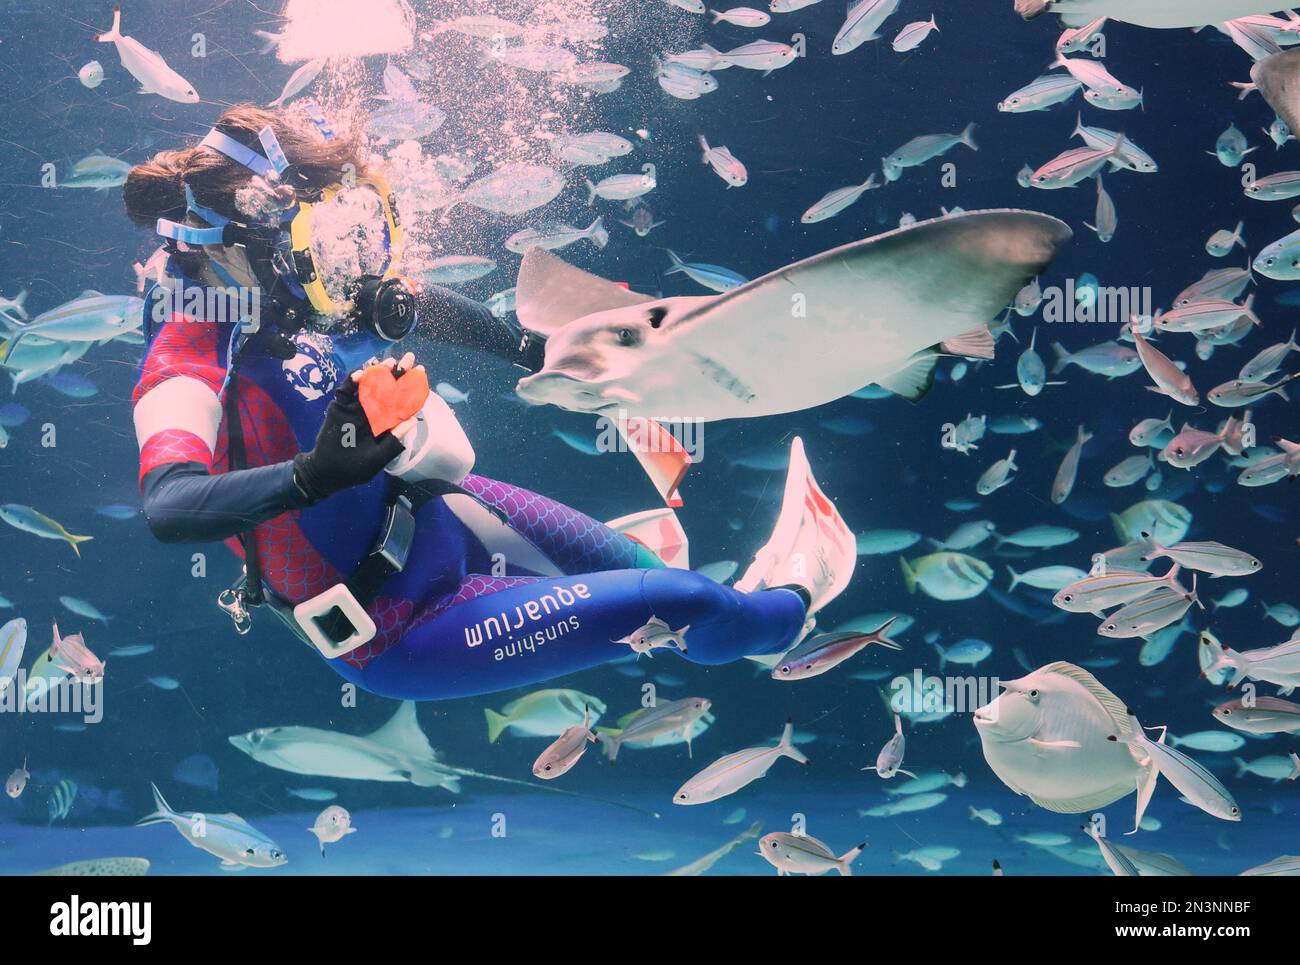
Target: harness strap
[{"x": 238, "y": 458}]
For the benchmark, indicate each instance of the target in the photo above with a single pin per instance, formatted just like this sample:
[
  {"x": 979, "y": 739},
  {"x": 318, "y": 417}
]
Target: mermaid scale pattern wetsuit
[{"x": 447, "y": 624}]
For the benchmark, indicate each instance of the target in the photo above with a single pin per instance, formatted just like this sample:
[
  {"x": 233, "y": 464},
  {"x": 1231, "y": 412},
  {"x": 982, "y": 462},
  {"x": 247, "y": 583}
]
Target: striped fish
[{"x": 61, "y": 798}]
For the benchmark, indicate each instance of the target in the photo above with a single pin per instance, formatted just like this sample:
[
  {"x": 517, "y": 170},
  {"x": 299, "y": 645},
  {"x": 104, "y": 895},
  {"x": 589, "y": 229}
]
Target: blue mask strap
[
  {"x": 191, "y": 235},
  {"x": 207, "y": 214},
  {"x": 315, "y": 115},
  {"x": 271, "y": 146},
  {"x": 224, "y": 144},
  {"x": 175, "y": 231}
]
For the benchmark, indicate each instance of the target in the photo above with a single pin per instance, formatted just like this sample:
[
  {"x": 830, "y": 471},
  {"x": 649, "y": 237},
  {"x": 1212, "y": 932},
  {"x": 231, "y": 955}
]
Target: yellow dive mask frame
[{"x": 302, "y": 234}]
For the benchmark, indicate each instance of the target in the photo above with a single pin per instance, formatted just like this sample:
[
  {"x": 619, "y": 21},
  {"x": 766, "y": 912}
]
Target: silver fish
[
  {"x": 565, "y": 751},
  {"x": 1150, "y": 613},
  {"x": 226, "y": 836},
  {"x": 1169, "y": 379},
  {"x": 730, "y": 773},
  {"x": 890, "y": 759},
  {"x": 821, "y": 653},
  {"x": 1107, "y": 217},
  {"x": 1197, "y": 785},
  {"x": 1068, "y": 471},
  {"x": 1094, "y": 594},
  {"x": 664, "y": 718},
  {"x": 1260, "y": 715},
  {"x": 802, "y": 854},
  {"x": 1208, "y": 557},
  {"x": 1040, "y": 94}
]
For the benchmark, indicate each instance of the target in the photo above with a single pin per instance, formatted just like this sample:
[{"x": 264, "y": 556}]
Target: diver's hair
[{"x": 156, "y": 188}]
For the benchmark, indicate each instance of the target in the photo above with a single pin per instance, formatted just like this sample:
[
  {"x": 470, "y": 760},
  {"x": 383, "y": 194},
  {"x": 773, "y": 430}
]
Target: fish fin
[
  {"x": 1062, "y": 358},
  {"x": 114, "y": 33},
  {"x": 550, "y": 293},
  {"x": 73, "y": 541},
  {"x": 162, "y": 814},
  {"x": 402, "y": 733},
  {"x": 1147, "y": 778},
  {"x": 909, "y": 575},
  {"x": 787, "y": 749},
  {"x": 1113, "y": 706},
  {"x": 978, "y": 343},
  {"x": 915, "y": 379},
  {"x": 1054, "y": 745},
  {"x": 843, "y": 862},
  {"x": 498, "y": 722},
  {"x": 609, "y": 742}
]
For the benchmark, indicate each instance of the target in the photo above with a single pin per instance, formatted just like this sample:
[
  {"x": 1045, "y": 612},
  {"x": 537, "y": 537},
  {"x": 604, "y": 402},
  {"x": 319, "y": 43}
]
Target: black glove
[{"x": 347, "y": 453}]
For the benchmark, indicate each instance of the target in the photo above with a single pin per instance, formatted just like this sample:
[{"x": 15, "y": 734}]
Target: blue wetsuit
[{"x": 457, "y": 620}]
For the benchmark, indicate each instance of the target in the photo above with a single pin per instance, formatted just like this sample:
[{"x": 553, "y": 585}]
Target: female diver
[{"x": 414, "y": 577}]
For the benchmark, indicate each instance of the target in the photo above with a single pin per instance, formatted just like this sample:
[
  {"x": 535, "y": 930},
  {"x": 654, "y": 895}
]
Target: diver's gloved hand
[{"x": 347, "y": 452}]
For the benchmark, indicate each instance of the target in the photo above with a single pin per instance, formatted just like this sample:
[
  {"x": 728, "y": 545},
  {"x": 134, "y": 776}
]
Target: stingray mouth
[{"x": 562, "y": 389}]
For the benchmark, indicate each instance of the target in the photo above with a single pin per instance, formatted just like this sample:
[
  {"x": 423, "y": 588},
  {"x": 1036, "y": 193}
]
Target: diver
[{"x": 411, "y": 575}]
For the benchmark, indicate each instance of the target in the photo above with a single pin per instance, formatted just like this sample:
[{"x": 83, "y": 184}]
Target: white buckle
[{"x": 308, "y": 612}]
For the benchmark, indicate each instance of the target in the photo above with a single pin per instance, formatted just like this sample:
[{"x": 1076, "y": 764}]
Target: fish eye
[
  {"x": 1234, "y": 810},
  {"x": 1068, "y": 598},
  {"x": 785, "y": 669},
  {"x": 627, "y": 336},
  {"x": 773, "y": 843},
  {"x": 1033, "y": 695},
  {"x": 547, "y": 767},
  {"x": 1254, "y": 564},
  {"x": 681, "y": 797},
  {"x": 1227, "y": 711}
]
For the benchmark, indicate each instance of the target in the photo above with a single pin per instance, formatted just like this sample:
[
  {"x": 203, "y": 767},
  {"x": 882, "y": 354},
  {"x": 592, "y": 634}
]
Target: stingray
[
  {"x": 1278, "y": 79},
  {"x": 1145, "y": 13},
  {"x": 877, "y": 311},
  {"x": 398, "y": 751}
]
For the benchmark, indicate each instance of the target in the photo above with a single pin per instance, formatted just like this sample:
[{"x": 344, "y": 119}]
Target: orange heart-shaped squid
[{"x": 388, "y": 400}]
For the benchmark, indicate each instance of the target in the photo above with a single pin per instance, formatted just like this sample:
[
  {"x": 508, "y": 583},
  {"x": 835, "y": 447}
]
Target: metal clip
[
  {"x": 397, "y": 534},
  {"x": 231, "y": 600}
]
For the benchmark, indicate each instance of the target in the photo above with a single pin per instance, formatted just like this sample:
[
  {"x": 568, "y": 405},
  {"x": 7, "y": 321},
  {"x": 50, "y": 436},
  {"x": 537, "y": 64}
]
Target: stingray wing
[
  {"x": 550, "y": 293},
  {"x": 857, "y": 313}
]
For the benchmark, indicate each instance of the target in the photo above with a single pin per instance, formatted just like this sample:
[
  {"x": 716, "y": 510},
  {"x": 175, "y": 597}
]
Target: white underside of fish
[
  {"x": 800, "y": 337},
  {"x": 1146, "y": 13}
]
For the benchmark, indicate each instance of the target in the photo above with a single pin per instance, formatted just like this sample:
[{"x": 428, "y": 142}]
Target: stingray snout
[{"x": 559, "y": 388}]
